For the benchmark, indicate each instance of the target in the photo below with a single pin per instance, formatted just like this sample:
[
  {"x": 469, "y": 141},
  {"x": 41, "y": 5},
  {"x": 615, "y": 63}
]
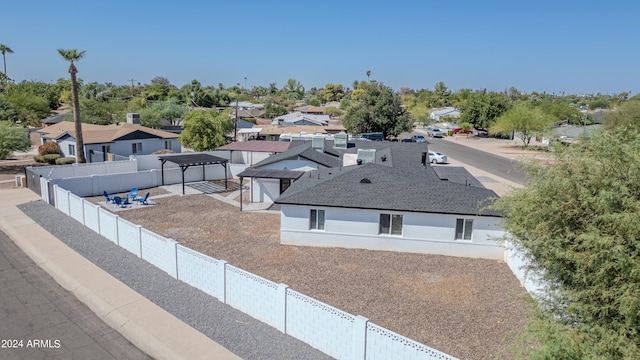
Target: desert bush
[
  {"x": 48, "y": 148},
  {"x": 51, "y": 158},
  {"x": 65, "y": 160},
  {"x": 38, "y": 158}
]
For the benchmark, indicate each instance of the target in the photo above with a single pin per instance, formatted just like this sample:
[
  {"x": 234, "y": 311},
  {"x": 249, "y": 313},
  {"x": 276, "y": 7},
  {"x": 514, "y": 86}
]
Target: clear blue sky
[{"x": 553, "y": 46}]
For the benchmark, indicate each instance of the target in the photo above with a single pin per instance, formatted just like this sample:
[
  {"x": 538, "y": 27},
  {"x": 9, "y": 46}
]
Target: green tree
[
  {"x": 577, "y": 218},
  {"x": 377, "y": 109},
  {"x": 72, "y": 56},
  {"x": 7, "y": 110},
  {"x": 30, "y": 109},
  {"x": 481, "y": 108},
  {"x": 524, "y": 120},
  {"x": 333, "y": 92},
  {"x": 12, "y": 138},
  {"x": 441, "y": 95},
  {"x": 561, "y": 112},
  {"x": 103, "y": 112},
  {"x": 206, "y": 130},
  {"x": 293, "y": 89},
  {"x": 4, "y": 49}
]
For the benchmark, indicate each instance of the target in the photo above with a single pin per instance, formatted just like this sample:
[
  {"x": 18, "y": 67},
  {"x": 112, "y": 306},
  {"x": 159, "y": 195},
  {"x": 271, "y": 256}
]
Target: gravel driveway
[{"x": 469, "y": 308}]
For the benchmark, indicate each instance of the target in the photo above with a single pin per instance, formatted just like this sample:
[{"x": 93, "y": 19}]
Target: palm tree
[
  {"x": 368, "y": 74},
  {"x": 5, "y": 49},
  {"x": 71, "y": 56}
]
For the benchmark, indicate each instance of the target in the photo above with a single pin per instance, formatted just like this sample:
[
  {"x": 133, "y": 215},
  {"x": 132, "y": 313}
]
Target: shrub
[
  {"x": 65, "y": 160},
  {"x": 49, "y": 147},
  {"x": 38, "y": 158},
  {"x": 51, "y": 158}
]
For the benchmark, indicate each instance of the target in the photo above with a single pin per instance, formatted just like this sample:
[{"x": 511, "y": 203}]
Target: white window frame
[
  {"x": 464, "y": 229},
  {"x": 167, "y": 144},
  {"x": 394, "y": 224},
  {"x": 136, "y": 148},
  {"x": 316, "y": 219},
  {"x": 72, "y": 149}
]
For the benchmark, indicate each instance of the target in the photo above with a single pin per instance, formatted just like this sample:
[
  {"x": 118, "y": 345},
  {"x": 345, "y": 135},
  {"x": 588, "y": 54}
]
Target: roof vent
[
  {"x": 365, "y": 181},
  {"x": 367, "y": 156}
]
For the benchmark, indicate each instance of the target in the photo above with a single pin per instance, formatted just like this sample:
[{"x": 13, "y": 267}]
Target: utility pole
[{"x": 132, "y": 80}]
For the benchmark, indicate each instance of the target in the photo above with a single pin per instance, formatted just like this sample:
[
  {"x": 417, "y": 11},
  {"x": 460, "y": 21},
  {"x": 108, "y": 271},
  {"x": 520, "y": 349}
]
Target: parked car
[
  {"x": 418, "y": 138},
  {"x": 435, "y": 132},
  {"x": 372, "y": 136},
  {"x": 461, "y": 131},
  {"x": 408, "y": 140},
  {"x": 437, "y": 158}
]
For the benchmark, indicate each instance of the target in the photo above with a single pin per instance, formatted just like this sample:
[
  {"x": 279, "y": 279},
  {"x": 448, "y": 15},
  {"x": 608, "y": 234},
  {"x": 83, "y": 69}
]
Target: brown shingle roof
[{"x": 97, "y": 134}]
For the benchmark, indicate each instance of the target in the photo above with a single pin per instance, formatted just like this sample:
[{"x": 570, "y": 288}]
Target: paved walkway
[{"x": 55, "y": 316}]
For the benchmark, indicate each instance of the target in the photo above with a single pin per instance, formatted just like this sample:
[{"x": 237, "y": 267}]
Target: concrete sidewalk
[{"x": 146, "y": 325}]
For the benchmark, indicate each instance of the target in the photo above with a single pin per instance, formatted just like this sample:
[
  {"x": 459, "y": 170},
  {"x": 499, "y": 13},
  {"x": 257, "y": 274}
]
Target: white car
[{"x": 437, "y": 158}]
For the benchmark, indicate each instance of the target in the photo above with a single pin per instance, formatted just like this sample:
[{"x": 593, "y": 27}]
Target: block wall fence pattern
[{"x": 330, "y": 330}]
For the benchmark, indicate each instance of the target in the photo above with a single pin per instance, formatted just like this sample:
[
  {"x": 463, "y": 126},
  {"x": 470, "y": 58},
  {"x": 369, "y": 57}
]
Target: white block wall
[
  {"x": 199, "y": 271},
  {"x": 383, "y": 344},
  {"x": 129, "y": 236},
  {"x": 159, "y": 251},
  {"x": 252, "y": 294},
  {"x": 76, "y": 208},
  {"x": 91, "y": 216},
  {"x": 320, "y": 325},
  {"x": 108, "y": 225},
  {"x": 62, "y": 200}
]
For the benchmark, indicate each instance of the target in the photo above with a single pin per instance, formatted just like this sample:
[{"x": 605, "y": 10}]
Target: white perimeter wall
[{"x": 421, "y": 233}]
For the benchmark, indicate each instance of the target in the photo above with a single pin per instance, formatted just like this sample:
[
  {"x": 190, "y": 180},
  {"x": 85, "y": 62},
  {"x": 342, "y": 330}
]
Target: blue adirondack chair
[
  {"x": 143, "y": 200},
  {"x": 119, "y": 201},
  {"x": 133, "y": 194},
  {"x": 108, "y": 198}
]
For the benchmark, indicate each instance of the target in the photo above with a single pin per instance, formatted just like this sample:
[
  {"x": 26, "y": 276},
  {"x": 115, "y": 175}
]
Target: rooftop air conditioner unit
[
  {"x": 317, "y": 142},
  {"x": 367, "y": 156},
  {"x": 340, "y": 141}
]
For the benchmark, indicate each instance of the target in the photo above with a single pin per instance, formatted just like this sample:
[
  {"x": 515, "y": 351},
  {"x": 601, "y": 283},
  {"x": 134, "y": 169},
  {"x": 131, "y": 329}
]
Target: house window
[
  {"x": 284, "y": 185},
  {"x": 167, "y": 144},
  {"x": 316, "y": 219},
  {"x": 136, "y": 148},
  {"x": 72, "y": 149},
  {"x": 391, "y": 224},
  {"x": 464, "y": 228}
]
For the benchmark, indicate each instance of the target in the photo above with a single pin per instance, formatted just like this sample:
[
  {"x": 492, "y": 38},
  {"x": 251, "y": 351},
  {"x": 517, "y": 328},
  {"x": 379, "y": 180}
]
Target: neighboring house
[
  {"x": 380, "y": 196},
  {"x": 300, "y": 119},
  {"x": 244, "y": 105},
  {"x": 250, "y": 152},
  {"x": 439, "y": 113},
  {"x": 273, "y": 175},
  {"x": 121, "y": 139},
  {"x": 310, "y": 109},
  {"x": 274, "y": 132},
  {"x": 249, "y": 113},
  {"x": 55, "y": 118}
]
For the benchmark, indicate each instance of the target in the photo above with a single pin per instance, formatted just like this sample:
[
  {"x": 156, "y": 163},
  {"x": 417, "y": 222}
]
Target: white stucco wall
[
  {"x": 264, "y": 190},
  {"x": 421, "y": 233}
]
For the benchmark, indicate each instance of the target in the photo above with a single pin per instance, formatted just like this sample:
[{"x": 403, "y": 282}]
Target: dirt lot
[{"x": 468, "y": 308}]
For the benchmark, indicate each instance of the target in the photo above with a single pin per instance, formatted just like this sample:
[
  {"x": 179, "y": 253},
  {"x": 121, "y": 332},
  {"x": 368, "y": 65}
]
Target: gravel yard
[{"x": 468, "y": 308}]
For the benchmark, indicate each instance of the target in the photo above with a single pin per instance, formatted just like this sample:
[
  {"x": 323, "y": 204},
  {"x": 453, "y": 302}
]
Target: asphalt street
[
  {"x": 494, "y": 164},
  {"x": 41, "y": 320}
]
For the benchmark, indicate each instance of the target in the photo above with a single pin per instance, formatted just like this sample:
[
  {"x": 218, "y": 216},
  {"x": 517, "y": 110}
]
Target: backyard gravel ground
[{"x": 468, "y": 308}]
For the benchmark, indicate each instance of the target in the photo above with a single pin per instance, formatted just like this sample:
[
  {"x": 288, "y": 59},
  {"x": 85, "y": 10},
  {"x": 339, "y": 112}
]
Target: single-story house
[
  {"x": 120, "y": 139},
  {"x": 275, "y": 132},
  {"x": 379, "y": 196},
  {"x": 300, "y": 119},
  {"x": 310, "y": 109},
  {"x": 439, "y": 113},
  {"x": 56, "y": 118}
]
